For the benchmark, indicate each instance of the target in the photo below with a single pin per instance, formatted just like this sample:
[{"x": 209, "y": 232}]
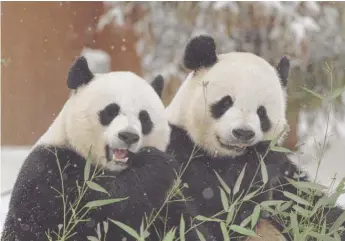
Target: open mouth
[
  {"x": 238, "y": 147},
  {"x": 118, "y": 155}
]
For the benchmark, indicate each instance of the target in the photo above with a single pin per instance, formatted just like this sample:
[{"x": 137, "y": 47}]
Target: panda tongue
[{"x": 120, "y": 153}]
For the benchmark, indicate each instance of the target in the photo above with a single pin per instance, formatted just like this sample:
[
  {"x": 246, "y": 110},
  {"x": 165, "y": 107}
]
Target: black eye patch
[
  {"x": 219, "y": 108},
  {"x": 265, "y": 122},
  {"x": 108, "y": 114},
  {"x": 146, "y": 123}
]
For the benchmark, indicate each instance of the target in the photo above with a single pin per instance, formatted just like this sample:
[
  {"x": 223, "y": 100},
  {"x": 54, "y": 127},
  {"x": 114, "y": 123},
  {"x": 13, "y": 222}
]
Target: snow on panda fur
[
  {"x": 230, "y": 106},
  {"x": 119, "y": 120}
]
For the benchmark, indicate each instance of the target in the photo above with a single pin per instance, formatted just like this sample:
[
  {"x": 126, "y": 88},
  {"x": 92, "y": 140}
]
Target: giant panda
[
  {"x": 116, "y": 122},
  {"x": 223, "y": 118}
]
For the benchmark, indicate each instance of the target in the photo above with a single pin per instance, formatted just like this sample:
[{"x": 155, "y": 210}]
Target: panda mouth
[
  {"x": 118, "y": 155},
  {"x": 238, "y": 147}
]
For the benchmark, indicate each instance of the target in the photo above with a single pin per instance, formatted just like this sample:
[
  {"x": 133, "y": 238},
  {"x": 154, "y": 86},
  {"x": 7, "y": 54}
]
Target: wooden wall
[{"x": 39, "y": 41}]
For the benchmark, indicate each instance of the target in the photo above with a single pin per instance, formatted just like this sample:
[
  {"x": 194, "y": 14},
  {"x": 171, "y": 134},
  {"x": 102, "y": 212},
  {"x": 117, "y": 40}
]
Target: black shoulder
[{"x": 34, "y": 198}]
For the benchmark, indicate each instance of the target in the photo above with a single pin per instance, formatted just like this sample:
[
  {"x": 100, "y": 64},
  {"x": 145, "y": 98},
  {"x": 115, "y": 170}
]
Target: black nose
[
  {"x": 128, "y": 137},
  {"x": 243, "y": 135}
]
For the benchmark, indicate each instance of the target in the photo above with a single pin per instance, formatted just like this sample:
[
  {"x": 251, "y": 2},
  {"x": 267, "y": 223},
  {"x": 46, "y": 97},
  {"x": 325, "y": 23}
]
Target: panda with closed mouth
[
  {"x": 118, "y": 122},
  {"x": 222, "y": 118}
]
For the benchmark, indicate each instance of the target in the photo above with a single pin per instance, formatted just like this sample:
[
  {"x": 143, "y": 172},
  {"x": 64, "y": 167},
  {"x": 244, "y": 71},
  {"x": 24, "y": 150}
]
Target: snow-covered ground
[{"x": 11, "y": 161}]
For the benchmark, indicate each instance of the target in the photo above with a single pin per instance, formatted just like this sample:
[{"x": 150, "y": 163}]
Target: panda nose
[
  {"x": 128, "y": 137},
  {"x": 243, "y": 134}
]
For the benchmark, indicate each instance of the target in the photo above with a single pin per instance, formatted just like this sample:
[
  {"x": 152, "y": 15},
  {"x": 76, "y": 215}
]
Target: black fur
[
  {"x": 219, "y": 108},
  {"x": 35, "y": 206},
  {"x": 200, "y": 52},
  {"x": 200, "y": 177},
  {"x": 107, "y": 115},
  {"x": 283, "y": 69},
  {"x": 79, "y": 74},
  {"x": 265, "y": 122},
  {"x": 158, "y": 85},
  {"x": 146, "y": 122}
]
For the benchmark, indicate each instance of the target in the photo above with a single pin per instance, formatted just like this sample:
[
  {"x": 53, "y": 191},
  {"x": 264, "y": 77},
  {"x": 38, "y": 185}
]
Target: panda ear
[
  {"x": 200, "y": 52},
  {"x": 158, "y": 84},
  {"x": 283, "y": 69},
  {"x": 79, "y": 74}
]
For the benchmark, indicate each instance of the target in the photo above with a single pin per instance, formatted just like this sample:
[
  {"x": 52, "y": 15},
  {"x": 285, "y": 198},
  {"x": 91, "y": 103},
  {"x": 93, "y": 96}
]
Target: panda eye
[
  {"x": 220, "y": 107},
  {"x": 108, "y": 114},
  {"x": 146, "y": 123},
  {"x": 261, "y": 111},
  {"x": 265, "y": 122}
]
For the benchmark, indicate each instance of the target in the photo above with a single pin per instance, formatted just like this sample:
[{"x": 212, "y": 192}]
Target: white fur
[
  {"x": 78, "y": 125},
  {"x": 250, "y": 81}
]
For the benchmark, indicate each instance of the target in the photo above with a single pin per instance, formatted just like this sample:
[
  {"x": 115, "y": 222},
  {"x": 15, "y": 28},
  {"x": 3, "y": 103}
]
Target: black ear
[
  {"x": 283, "y": 69},
  {"x": 200, "y": 52},
  {"x": 158, "y": 84},
  {"x": 79, "y": 74}
]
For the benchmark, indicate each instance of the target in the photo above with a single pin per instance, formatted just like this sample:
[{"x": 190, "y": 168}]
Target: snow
[{"x": 11, "y": 160}]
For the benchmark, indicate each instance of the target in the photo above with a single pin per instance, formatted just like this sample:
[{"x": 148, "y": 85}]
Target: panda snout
[
  {"x": 128, "y": 137},
  {"x": 243, "y": 134}
]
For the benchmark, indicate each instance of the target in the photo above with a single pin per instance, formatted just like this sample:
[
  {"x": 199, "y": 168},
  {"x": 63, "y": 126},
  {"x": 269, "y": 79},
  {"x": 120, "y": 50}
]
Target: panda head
[
  {"x": 230, "y": 101},
  {"x": 111, "y": 115}
]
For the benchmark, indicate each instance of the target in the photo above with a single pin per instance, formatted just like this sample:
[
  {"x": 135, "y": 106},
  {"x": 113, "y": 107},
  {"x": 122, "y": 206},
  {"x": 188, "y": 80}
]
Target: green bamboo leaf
[
  {"x": 281, "y": 149},
  {"x": 142, "y": 228},
  {"x": 224, "y": 185},
  {"x": 339, "y": 222},
  {"x": 274, "y": 142},
  {"x": 224, "y": 232},
  {"x": 324, "y": 227},
  {"x": 337, "y": 237},
  {"x": 255, "y": 215},
  {"x": 96, "y": 187},
  {"x": 224, "y": 199},
  {"x": 200, "y": 236},
  {"x": 243, "y": 231},
  {"x": 100, "y": 203},
  {"x": 296, "y": 198},
  {"x": 263, "y": 171},
  {"x": 321, "y": 237},
  {"x": 250, "y": 195},
  {"x": 170, "y": 235},
  {"x": 341, "y": 185},
  {"x": 302, "y": 211},
  {"x": 313, "y": 93},
  {"x": 90, "y": 238},
  {"x": 127, "y": 229},
  {"x": 105, "y": 226},
  {"x": 203, "y": 218},
  {"x": 239, "y": 180},
  {"x": 285, "y": 206},
  {"x": 246, "y": 221},
  {"x": 294, "y": 225},
  {"x": 230, "y": 215},
  {"x": 87, "y": 166},
  {"x": 99, "y": 235},
  {"x": 271, "y": 203},
  {"x": 309, "y": 185},
  {"x": 335, "y": 94},
  {"x": 182, "y": 229}
]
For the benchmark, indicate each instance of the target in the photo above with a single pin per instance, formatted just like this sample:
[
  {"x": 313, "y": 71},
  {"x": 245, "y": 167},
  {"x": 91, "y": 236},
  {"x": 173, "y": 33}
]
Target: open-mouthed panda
[
  {"x": 117, "y": 123},
  {"x": 226, "y": 111}
]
